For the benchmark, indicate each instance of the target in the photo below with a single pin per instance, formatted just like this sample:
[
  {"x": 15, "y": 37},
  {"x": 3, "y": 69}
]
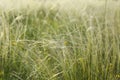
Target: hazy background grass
[{"x": 59, "y": 40}]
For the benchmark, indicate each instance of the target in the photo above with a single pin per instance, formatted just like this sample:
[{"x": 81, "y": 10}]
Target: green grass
[{"x": 60, "y": 42}]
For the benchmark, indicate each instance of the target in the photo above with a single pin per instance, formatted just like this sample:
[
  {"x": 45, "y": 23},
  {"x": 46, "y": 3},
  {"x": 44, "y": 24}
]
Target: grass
[{"x": 50, "y": 42}]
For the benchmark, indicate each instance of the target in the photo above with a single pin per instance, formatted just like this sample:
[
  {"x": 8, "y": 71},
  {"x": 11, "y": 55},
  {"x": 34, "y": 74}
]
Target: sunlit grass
[{"x": 46, "y": 41}]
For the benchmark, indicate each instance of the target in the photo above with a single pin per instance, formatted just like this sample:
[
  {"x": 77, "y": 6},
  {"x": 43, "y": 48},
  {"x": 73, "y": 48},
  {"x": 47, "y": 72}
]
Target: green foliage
[{"x": 54, "y": 44}]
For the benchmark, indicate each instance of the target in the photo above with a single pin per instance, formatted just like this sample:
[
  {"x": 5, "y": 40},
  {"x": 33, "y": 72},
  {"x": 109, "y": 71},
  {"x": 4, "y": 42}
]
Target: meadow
[{"x": 59, "y": 40}]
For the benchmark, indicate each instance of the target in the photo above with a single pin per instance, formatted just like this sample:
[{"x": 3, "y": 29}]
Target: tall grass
[{"x": 50, "y": 42}]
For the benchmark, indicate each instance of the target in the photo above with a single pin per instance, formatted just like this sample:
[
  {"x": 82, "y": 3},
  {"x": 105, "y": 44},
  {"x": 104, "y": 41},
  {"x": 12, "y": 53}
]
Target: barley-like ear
[
  {"x": 90, "y": 28},
  {"x": 18, "y": 18}
]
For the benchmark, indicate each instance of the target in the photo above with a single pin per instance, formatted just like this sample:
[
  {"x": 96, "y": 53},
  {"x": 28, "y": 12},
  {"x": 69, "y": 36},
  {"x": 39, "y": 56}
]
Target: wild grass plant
[{"x": 50, "y": 42}]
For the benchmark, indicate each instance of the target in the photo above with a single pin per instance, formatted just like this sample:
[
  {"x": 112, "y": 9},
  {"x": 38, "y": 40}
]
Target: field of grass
[{"x": 59, "y": 40}]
